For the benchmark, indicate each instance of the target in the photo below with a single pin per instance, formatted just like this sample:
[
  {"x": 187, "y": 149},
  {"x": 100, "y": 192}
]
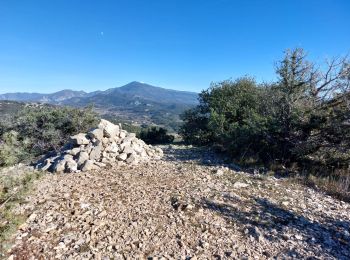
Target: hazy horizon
[{"x": 63, "y": 89}]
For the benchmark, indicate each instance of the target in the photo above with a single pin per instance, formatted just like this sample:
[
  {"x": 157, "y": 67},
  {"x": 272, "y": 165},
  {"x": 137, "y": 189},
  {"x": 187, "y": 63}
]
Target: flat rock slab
[{"x": 176, "y": 208}]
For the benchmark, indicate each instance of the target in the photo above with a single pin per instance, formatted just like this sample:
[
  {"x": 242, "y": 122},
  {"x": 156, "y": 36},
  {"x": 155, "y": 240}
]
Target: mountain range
[
  {"x": 44, "y": 98},
  {"x": 136, "y": 101}
]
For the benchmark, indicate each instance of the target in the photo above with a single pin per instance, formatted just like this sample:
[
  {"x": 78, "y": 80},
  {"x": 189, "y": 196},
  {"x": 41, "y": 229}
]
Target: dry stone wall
[{"x": 105, "y": 145}]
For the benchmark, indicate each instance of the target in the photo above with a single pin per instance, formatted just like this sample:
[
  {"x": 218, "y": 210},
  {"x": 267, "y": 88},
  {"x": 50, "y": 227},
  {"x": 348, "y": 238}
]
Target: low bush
[
  {"x": 40, "y": 129},
  {"x": 12, "y": 150},
  {"x": 155, "y": 135}
]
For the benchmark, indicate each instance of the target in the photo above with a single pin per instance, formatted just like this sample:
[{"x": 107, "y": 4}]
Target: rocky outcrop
[{"x": 105, "y": 145}]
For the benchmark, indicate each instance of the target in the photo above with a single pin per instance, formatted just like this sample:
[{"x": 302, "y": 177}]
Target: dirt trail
[{"x": 180, "y": 208}]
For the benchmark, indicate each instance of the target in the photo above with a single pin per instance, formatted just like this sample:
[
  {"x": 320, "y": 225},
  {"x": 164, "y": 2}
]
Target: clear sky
[{"x": 49, "y": 45}]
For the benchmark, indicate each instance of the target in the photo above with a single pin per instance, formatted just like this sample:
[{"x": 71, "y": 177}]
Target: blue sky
[{"x": 46, "y": 46}]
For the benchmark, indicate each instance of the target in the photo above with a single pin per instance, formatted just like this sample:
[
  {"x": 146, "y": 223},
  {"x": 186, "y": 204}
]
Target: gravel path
[{"x": 180, "y": 208}]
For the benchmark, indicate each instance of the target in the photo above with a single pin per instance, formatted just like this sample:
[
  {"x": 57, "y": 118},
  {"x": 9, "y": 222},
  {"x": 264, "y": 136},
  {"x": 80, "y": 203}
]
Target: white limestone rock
[
  {"x": 79, "y": 139},
  {"x": 122, "y": 157},
  {"x": 109, "y": 129},
  {"x": 96, "y": 133}
]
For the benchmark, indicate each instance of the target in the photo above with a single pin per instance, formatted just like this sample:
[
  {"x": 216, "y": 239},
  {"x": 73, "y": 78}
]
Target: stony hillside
[{"x": 188, "y": 205}]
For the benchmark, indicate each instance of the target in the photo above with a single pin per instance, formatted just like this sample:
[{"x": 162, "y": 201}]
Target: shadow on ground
[
  {"x": 270, "y": 222},
  {"x": 200, "y": 155}
]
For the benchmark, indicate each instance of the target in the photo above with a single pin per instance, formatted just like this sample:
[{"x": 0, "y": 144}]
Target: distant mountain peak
[{"x": 137, "y": 84}]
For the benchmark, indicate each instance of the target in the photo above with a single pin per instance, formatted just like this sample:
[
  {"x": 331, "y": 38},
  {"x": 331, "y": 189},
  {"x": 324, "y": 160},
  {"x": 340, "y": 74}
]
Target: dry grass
[
  {"x": 338, "y": 187},
  {"x": 13, "y": 189}
]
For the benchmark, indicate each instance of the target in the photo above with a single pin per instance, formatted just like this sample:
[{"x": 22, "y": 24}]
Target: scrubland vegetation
[
  {"x": 36, "y": 130},
  {"x": 298, "y": 124}
]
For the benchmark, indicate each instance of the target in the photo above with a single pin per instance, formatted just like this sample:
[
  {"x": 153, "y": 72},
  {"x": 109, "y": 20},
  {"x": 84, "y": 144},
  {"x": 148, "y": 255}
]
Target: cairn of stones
[{"x": 105, "y": 145}]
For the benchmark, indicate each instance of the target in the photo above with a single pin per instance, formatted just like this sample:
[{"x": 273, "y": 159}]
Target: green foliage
[
  {"x": 154, "y": 135},
  {"x": 39, "y": 129},
  {"x": 231, "y": 115},
  {"x": 132, "y": 128},
  {"x": 195, "y": 129},
  {"x": 50, "y": 128},
  {"x": 302, "y": 118},
  {"x": 11, "y": 150},
  {"x": 327, "y": 144}
]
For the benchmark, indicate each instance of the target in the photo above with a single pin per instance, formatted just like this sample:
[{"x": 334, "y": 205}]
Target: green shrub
[
  {"x": 40, "y": 129},
  {"x": 154, "y": 135},
  {"x": 195, "y": 129},
  {"x": 233, "y": 116},
  {"x": 11, "y": 150},
  {"x": 303, "y": 118},
  {"x": 132, "y": 128}
]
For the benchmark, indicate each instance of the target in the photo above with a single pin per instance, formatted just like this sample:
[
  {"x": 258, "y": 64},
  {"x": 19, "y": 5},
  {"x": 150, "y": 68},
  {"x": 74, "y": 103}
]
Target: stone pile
[{"x": 105, "y": 145}]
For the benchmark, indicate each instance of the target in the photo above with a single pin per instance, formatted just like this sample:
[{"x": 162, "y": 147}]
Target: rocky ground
[{"x": 184, "y": 206}]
